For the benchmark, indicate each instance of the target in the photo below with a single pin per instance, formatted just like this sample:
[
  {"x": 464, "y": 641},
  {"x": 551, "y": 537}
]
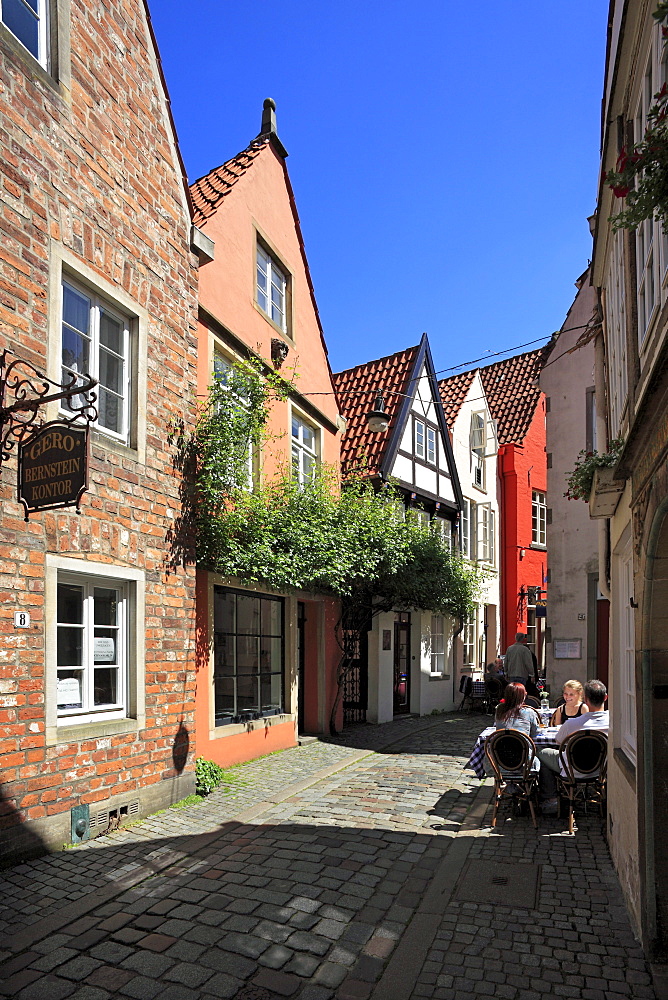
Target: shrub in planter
[{"x": 580, "y": 481}]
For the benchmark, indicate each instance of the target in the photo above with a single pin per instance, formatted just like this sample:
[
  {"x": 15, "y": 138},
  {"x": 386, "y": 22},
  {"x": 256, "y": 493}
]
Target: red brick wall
[{"x": 99, "y": 177}]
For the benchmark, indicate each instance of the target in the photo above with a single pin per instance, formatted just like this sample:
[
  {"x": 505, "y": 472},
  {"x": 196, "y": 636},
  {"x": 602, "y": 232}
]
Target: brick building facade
[{"x": 96, "y": 274}]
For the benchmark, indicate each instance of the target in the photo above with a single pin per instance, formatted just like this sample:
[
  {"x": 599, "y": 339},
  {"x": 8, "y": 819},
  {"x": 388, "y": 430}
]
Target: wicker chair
[
  {"x": 583, "y": 760},
  {"x": 494, "y": 692},
  {"x": 511, "y": 755}
]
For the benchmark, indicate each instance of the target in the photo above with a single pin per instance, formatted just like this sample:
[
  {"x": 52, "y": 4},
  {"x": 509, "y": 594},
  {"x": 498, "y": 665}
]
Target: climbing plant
[{"x": 345, "y": 539}]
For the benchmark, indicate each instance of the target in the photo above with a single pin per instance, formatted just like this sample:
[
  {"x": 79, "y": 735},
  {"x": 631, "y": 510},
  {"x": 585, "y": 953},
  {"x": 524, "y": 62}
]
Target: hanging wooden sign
[{"x": 53, "y": 467}]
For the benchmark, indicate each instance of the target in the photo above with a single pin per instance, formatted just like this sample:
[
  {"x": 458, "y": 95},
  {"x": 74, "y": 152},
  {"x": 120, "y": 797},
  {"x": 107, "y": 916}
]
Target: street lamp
[{"x": 377, "y": 419}]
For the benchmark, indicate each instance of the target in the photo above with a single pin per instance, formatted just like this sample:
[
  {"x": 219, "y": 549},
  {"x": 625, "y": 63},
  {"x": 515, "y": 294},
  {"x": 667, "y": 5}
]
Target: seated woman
[
  {"x": 512, "y": 713},
  {"x": 573, "y": 706}
]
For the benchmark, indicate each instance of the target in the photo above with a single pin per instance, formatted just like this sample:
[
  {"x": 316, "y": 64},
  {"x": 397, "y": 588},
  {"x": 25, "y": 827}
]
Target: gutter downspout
[{"x": 602, "y": 440}]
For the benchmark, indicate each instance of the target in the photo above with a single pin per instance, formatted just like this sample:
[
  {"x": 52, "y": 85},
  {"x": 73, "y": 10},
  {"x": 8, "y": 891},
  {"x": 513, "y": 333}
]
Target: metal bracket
[{"x": 30, "y": 390}]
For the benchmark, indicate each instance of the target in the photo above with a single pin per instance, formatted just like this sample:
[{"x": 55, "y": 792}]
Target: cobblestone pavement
[{"x": 365, "y": 877}]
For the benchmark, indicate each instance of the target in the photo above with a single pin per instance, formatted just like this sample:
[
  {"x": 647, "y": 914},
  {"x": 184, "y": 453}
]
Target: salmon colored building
[
  {"x": 267, "y": 661},
  {"x": 517, "y": 405}
]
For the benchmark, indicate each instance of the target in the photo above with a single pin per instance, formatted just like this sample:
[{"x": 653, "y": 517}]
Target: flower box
[{"x": 605, "y": 493}]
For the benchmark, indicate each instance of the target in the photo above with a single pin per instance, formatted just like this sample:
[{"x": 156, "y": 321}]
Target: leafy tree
[{"x": 346, "y": 540}]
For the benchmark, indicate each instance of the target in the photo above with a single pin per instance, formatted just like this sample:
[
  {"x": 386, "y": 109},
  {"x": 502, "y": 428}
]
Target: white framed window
[
  {"x": 485, "y": 525},
  {"x": 424, "y": 441},
  {"x": 649, "y": 240},
  {"x": 478, "y": 442},
  {"x": 437, "y": 644},
  {"x": 538, "y": 518},
  {"x": 420, "y": 439},
  {"x": 304, "y": 450},
  {"x": 616, "y": 329},
  {"x": 442, "y": 528},
  {"x": 467, "y": 529},
  {"x": 420, "y": 517},
  {"x": 627, "y": 654},
  {"x": 28, "y": 21},
  {"x": 271, "y": 285},
  {"x": 222, "y": 366},
  {"x": 468, "y": 643},
  {"x": 95, "y": 340},
  {"x": 91, "y": 648},
  {"x": 431, "y": 445}
]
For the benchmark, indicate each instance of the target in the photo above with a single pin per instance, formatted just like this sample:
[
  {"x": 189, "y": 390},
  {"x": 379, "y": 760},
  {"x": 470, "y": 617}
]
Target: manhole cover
[{"x": 499, "y": 882}]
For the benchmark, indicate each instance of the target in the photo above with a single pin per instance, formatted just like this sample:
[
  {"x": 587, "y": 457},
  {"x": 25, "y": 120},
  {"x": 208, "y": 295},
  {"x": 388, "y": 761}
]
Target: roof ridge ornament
[{"x": 268, "y": 127}]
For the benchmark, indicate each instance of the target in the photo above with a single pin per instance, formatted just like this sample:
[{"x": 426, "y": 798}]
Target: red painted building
[{"x": 518, "y": 407}]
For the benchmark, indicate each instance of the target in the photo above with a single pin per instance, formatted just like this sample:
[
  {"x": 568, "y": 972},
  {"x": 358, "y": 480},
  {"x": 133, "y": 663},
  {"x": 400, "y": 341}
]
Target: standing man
[{"x": 518, "y": 664}]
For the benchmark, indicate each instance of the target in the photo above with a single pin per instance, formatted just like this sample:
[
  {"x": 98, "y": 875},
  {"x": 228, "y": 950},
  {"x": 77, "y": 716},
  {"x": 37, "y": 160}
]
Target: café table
[{"x": 544, "y": 738}]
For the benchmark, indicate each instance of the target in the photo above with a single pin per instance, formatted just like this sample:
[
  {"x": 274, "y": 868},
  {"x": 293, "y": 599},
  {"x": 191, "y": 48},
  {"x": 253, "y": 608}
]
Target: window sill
[
  {"x": 273, "y": 325},
  {"x": 31, "y": 64},
  {"x": 439, "y": 677},
  {"x": 93, "y": 730},
  {"x": 625, "y": 765},
  {"x": 236, "y": 728},
  {"x": 538, "y": 547}
]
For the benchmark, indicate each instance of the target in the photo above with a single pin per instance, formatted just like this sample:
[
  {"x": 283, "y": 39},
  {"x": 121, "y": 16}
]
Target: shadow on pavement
[{"x": 313, "y": 908}]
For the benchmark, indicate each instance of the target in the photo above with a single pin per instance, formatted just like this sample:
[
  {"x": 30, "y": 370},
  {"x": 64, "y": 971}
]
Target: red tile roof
[
  {"x": 453, "y": 393},
  {"x": 513, "y": 393},
  {"x": 356, "y": 389},
  {"x": 208, "y": 192}
]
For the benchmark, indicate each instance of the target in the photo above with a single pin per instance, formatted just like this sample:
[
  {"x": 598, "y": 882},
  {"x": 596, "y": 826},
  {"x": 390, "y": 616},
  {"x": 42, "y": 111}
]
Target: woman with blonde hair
[{"x": 573, "y": 706}]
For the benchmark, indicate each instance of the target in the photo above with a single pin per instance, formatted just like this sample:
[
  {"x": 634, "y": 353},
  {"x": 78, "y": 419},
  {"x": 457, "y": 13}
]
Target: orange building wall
[{"x": 260, "y": 201}]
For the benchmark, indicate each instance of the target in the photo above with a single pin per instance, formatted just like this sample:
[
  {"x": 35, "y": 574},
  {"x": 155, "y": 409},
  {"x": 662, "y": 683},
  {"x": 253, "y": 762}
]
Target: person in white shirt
[{"x": 597, "y": 717}]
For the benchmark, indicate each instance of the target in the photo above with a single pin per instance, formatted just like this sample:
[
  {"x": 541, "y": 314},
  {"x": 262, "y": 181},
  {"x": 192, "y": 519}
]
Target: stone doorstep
[{"x": 78, "y": 908}]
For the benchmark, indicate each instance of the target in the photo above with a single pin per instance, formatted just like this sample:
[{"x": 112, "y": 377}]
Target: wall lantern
[{"x": 377, "y": 420}]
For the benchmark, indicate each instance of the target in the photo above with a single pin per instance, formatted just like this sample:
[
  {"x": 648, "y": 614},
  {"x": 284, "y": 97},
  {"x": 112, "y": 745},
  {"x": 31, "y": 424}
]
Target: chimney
[{"x": 269, "y": 126}]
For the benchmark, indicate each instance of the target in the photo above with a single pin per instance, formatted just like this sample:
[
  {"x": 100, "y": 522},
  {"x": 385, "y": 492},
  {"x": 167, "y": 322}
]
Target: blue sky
[{"x": 444, "y": 155}]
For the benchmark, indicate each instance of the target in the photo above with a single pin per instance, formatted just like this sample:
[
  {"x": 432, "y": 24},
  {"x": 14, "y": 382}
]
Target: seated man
[
  {"x": 595, "y": 695},
  {"x": 494, "y": 672}
]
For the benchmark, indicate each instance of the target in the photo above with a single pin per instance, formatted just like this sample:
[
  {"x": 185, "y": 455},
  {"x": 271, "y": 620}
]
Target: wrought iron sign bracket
[{"x": 23, "y": 391}]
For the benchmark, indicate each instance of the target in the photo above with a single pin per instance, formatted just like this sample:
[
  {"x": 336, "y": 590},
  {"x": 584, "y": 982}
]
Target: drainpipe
[{"x": 602, "y": 442}]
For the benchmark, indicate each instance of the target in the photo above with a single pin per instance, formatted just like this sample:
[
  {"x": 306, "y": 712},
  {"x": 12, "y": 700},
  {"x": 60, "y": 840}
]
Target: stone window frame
[
  {"x": 63, "y": 729},
  {"x": 263, "y": 244},
  {"x": 54, "y": 65},
  {"x": 64, "y": 265}
]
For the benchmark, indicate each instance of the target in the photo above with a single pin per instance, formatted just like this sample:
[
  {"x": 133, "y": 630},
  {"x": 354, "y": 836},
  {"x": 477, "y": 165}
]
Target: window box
[{"x": 605, "y": 493}]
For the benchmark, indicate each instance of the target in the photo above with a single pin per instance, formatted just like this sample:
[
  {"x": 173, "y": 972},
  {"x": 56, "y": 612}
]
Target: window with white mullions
[
  {"x": 27, "y": 21},
  {"x": 271, "y": 287},
  {"x": 538, "y": 518},
  {"x": 304, "y": 450},
  {"x": 425, "y": 442},
  {"x": 96, "y": 342},
  {"x": 91, "y": 649},
  {"x": 468, "y": 643},
  {"x": 222, "y": 369},
  {"x": 437, "y": 644}
]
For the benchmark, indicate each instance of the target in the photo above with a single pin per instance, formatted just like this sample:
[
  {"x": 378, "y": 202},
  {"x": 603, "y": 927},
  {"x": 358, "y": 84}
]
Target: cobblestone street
[{"x": 353, "y": 869}]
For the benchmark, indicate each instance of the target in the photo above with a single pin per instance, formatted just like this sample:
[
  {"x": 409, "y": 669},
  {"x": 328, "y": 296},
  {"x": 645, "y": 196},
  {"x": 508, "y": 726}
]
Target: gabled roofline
[
  {"x": 170, "y": 116},
  {"x": 423, "y": 357}
]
